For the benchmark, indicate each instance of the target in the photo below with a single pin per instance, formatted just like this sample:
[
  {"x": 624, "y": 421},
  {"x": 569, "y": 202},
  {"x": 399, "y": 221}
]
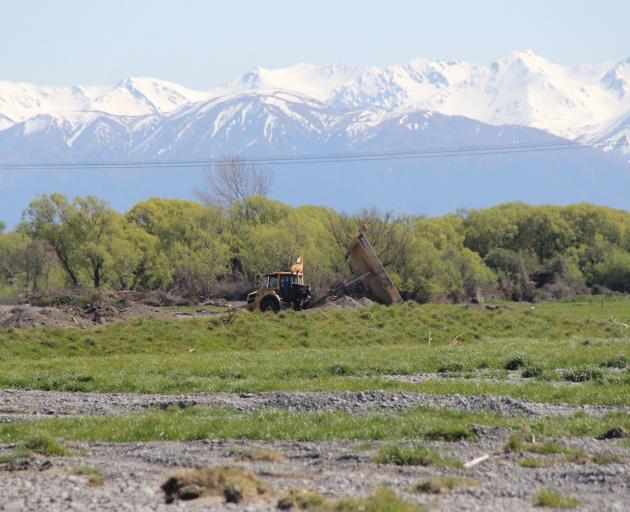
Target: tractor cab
[
  {"x": 283, "y": 282},
  {"x": 281, "y": 290}
]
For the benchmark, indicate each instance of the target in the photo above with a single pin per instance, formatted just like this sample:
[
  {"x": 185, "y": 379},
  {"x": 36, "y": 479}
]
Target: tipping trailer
[{"x": 371, "y": 270}]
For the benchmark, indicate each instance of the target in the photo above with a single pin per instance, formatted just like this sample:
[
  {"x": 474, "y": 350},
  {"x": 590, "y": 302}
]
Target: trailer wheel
[{"x": 269, "y": 304}]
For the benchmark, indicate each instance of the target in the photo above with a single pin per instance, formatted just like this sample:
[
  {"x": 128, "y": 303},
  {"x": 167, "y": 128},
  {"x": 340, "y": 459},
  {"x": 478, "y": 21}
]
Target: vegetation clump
[
  {"x": 439, "y": 485},
  {"x": 553, "y": 499},
  {"x": 615, "y": 433},
  {"x": 44, "y": 444},
  {"x": 532, "y": 371},
  {"x": 452, "y": 367},
  {"x": 232, "y": 484},
  {"x": 620, "y": 361},
  {"x": 584, "y": 374},
  {"x": 261, "y": 455},
  {"x": 300, "y": 499},
  {"x": 95, "y": 475},
  {"x": 416, "y": 455},
  {"x": 532, "y": 463},
  {"x": 516, "y": 361},
  {"x": 383, "y": 500}
]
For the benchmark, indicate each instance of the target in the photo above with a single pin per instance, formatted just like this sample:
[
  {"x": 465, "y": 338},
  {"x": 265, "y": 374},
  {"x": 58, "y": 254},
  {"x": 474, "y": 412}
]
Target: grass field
[
  {"x": 588, "y": 341},
  {"x": 194, "y": 424}
]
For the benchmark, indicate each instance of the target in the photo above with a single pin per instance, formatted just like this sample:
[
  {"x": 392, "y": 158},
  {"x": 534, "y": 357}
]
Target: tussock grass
[
  {"x": 516, "y": 361},
  {"x": 417, "y": 455},
  {"x": 413, "y": 456},
  {"x": 44, "y": 444},
  {"x": 584, "y": 374},
  {"x": 618, "y": 362},
  {"x": 440, "y": 485},
  {"x": 95, "y": 475},
  {"x": 531, "y": 463},
  {"x": 517, "y": 444},
  {"x": 603, "y": 459},
  {"x": 383, "y": 500},
  {"x": 300, "y": 499},
  {"x": 553, "y": 499},
  {"x": 37, "y": 442},
  {"x": 261, "y": 455},
  {"x": 232, "y": 484}
]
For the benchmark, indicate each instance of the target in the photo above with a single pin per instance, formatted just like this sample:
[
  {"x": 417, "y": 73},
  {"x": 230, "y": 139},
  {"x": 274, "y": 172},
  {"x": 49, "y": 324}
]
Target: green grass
[
  {"x": 531, "y": 463},
  {"x": 383, "y": 500},
  {"x": 194, "y": 424},
  {"x": 416, "y": 455},
  {"x": 517, "y": 444},
  {"x": 337, "y": 350},
  {"x": 439, "y": 485},
  {"x": 44, "y": 444},
  {"x": 94, "y": 475},
  {"x": 39, "y": 442},
  {"x": 552, "y": 499},
  {"x": 603, "y": 459}
]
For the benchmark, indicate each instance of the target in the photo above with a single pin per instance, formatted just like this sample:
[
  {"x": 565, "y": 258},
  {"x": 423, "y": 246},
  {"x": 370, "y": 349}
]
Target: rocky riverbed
[
  {"x": 129, "y": 475},
  {"x": 20, "y": 405}
]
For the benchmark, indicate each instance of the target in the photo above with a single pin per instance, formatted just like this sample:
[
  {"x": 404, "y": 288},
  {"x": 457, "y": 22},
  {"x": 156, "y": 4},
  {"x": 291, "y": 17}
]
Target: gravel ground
[
  {"x": 132, "y": 475},
  {"x": 133, "y": 472},
  {"x": 20, "y": 405}
]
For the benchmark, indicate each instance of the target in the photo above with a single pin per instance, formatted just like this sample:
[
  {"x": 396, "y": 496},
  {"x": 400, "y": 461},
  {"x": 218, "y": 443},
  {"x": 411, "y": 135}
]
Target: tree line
[{"x": 218, "y": 248}]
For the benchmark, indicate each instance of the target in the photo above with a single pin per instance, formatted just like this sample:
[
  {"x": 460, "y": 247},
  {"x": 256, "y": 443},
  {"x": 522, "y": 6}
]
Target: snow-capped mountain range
[
  {"x": 305, "y": 109},
  {"x": 151, "y": 118}
]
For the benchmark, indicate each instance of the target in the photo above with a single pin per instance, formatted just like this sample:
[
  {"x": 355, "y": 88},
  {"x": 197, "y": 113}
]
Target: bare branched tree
[{"x": 232, "y": 180}]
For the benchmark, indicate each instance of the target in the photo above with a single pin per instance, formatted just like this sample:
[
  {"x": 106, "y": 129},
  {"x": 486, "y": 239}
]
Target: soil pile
[
  {"x": 85, "y": 308},
  {"x": 26, "y": 317},
  {"x": 347, "y": 303}
]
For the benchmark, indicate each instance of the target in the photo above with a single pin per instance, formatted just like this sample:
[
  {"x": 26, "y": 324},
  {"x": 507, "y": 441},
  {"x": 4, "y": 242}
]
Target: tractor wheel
[{"x": 269, "y": 304}]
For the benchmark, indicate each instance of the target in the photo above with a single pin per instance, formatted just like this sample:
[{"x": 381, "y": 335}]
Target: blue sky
[{"x": 202, "y": 44}]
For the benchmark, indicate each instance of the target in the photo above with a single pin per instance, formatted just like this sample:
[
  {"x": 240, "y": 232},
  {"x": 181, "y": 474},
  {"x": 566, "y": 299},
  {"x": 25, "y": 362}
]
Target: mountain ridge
[{"x": 578, "y": 102}]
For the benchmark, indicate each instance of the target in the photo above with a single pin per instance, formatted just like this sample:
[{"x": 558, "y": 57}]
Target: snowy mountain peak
[
  {"x": 522, "y": 88},
  {"x": 618, "y": 78},
  {"x": 315, "y": 81}
]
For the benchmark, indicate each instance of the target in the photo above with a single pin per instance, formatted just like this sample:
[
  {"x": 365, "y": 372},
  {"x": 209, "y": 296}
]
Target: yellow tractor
[
  {"x": 287, "y": 289},
  {"x": 281, "y": 290}
]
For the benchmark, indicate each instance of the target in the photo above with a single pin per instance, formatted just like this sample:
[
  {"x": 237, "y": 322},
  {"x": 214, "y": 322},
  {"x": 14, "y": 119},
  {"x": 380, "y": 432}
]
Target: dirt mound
[
  {"x": 85, "y": 308},
  {"x": 26, "y": 317},
  {"x": 347, "y": 303}
]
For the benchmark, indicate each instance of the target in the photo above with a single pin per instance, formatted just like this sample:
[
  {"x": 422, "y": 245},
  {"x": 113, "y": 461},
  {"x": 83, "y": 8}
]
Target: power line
[{"x": 438, "y": 152}]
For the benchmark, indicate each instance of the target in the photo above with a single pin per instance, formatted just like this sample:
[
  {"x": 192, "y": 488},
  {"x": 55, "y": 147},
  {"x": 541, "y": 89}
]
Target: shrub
[
  {"x": 516, "y": 361},
  {"x": 532, "y": 372},
  {"x": 451, "y": 367},
  {"x": 584, "y": 374},
  {"x": 514, "y": 443},
  {"x": 619, "y": 361}
]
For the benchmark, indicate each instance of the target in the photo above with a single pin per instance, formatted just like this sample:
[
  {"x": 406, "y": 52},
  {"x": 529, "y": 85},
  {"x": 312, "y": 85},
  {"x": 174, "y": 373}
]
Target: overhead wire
[{"x": 335, "y": 158}]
